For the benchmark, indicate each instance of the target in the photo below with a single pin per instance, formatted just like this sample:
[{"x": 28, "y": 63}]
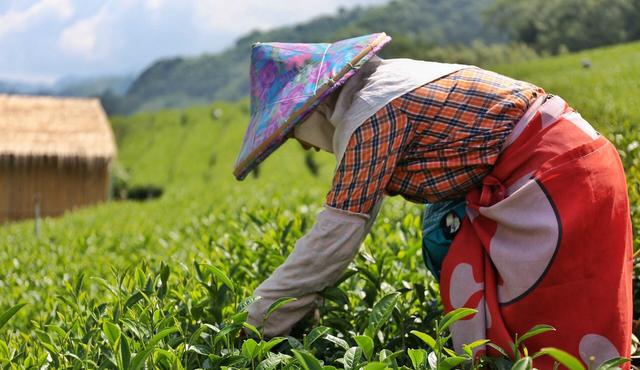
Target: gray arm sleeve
[{"x": 317, "y": 261}]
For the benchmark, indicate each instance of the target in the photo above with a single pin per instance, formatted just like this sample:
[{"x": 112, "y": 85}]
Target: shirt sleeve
[
  {"x": 317, "y": 261},
  {"x": 369, "y": 161}
]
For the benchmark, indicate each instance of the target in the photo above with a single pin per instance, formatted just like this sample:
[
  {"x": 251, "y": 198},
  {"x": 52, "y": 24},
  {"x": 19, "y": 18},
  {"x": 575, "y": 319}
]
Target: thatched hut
[{"x": 55, "y": 155}]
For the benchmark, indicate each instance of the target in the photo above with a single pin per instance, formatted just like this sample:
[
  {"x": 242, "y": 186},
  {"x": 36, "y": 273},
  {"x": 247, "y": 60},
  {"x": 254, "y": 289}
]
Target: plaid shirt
[{"x": 433, "y": 143}]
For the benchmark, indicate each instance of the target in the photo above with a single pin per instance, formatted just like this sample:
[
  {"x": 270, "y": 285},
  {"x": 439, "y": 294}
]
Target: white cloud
[
  {"x": 80, "y": 37},
  {"x": 154, "y": 5},
  {"x": 91, "y": 37},
  {"x": 231, "y": 16},
  {"x": 241, "y": 16},
  {"x": 18, "y": 20}
]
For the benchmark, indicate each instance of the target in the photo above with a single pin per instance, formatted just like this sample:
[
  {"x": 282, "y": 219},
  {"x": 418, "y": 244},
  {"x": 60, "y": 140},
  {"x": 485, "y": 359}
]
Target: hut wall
[{"x": 59, "y": 185}]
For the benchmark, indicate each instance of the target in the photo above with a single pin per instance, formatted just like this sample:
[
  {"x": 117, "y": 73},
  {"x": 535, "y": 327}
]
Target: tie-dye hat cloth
[{"x": 288, "y": 80}]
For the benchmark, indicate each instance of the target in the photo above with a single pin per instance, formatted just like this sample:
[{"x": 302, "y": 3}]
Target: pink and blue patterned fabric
[{"x": 288, "y": 81}]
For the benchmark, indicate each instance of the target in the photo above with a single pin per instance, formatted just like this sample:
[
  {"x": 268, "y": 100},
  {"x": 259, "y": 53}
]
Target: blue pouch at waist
[{"x": 440, "y": 224}]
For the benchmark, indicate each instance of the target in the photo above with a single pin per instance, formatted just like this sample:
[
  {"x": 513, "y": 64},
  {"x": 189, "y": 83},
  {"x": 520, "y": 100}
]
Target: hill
[
  {"x": 134, "y": 270},
  {"x": 72, "y": 86},
  {"x": 179, "y": 82},
  {"x": 480, "y": 32},
  {"x": 95, "y": 86}
]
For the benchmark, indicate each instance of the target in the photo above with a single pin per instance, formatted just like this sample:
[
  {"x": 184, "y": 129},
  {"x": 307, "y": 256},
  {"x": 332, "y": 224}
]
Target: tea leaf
[
  {"x": 294, "y": 343},
  {"x": 250, "y": 348},
  {"x": 337, "y": 295},
  {"x": 267, "y": 346},
  {"x": 337, "y": 341},
  {"x": 451, "y": 362},
  {"x": 242, "y": 307},
  {"x": 314, "y": 335},
  {"x": 425, "y": 338},
  {"x": 220, "y": 276},
  {"x": 111, "y": 331},
  {"x": 389, "y": 357},
  {"x": 536, "y": 330},
  {"x": 613, "y": 363},
  {"x": 381, "y": 312},
  {"x": 232, "y": 360},
  {"x": 468, "y": 348},
  {"x": 417, "y": 356},
  {"x": 432, "y": 360},
  {"x": 524, "y": 363},
  {"x": 375, "y": 366},
  {"x": 276, "y": 305},
  {"x": 8, "y": 314},
  {"x": 366, "y": 344},
  {"x": 272, "y": 361},
  {"x": 133, "y": 299},
  {"x": 252, "y": 328},
  {"x": 138, "y": 360},
  {"x": 307, "y": 360},
  {"x": 456, "y": 315},
  {"x": 563, "y": 357},
  {"x": 125, "y": 353},
  {"x": 352, "y": 358}
]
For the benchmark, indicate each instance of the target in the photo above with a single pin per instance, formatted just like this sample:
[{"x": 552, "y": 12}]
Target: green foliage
[
  {"x": 8, "y": 314},
  {"x": 441, "y": 357},
  {"x": 562, "y": 357},
  {"x": 477, "y": 52},
  {"x": 165, "y": 284},
  {"x": 554, "y": 25}
]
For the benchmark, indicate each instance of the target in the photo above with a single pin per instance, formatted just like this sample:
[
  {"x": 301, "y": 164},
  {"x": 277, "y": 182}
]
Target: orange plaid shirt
[{"x": 433, "y": 143}]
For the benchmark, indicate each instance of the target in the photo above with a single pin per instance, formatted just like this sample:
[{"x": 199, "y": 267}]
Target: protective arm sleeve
[{"x": 317, "y": 261}]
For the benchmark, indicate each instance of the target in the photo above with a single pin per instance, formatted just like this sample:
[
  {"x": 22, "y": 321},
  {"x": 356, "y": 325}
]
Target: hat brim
[{"x": 252, "y": 155}]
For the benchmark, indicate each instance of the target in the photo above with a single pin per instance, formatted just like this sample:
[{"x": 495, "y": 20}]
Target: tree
[{"x": 550, "y": 25}]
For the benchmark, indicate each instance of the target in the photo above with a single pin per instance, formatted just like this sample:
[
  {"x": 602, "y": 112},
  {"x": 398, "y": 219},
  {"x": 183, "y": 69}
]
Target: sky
[{"x": 44, "y": 40}]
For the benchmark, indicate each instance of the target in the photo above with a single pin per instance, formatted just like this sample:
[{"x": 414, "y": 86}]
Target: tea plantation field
[{"x": 163, "y": 283}]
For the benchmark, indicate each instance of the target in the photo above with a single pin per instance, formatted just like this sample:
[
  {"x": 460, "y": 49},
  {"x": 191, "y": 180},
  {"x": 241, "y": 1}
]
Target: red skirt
[{"x": 547, "y": 240}]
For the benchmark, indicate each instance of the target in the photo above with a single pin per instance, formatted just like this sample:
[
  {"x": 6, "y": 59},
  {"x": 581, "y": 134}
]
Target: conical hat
[{"x": 288, "y": 80}]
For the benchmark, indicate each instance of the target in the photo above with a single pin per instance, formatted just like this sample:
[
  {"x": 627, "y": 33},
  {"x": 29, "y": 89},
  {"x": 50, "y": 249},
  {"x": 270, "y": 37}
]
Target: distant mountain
[
  {"x": 93, "y": 86},
  {"x": 16, "y": 87},
  {"x": 178, "y": 82},
  {"x": 72, "y": 86}
]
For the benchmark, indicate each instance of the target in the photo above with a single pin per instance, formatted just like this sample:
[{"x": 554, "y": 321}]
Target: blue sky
[{"x": 43, "y": 40}]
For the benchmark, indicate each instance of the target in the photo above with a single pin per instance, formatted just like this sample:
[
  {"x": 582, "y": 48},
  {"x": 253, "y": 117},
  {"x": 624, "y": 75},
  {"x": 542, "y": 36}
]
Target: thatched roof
[{"x": 63, "y": 128}]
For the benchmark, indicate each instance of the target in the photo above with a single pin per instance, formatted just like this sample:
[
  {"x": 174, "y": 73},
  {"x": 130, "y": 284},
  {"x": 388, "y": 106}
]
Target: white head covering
[
  {"x": 376, "y": 84},
  {"x": 316, "y": 129}
]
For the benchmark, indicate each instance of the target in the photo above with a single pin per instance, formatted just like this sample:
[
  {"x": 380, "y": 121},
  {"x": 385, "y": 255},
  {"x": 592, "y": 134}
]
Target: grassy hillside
[
  {"x": 141, "y": 269},
  {"x": 606, "y": 93}
]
